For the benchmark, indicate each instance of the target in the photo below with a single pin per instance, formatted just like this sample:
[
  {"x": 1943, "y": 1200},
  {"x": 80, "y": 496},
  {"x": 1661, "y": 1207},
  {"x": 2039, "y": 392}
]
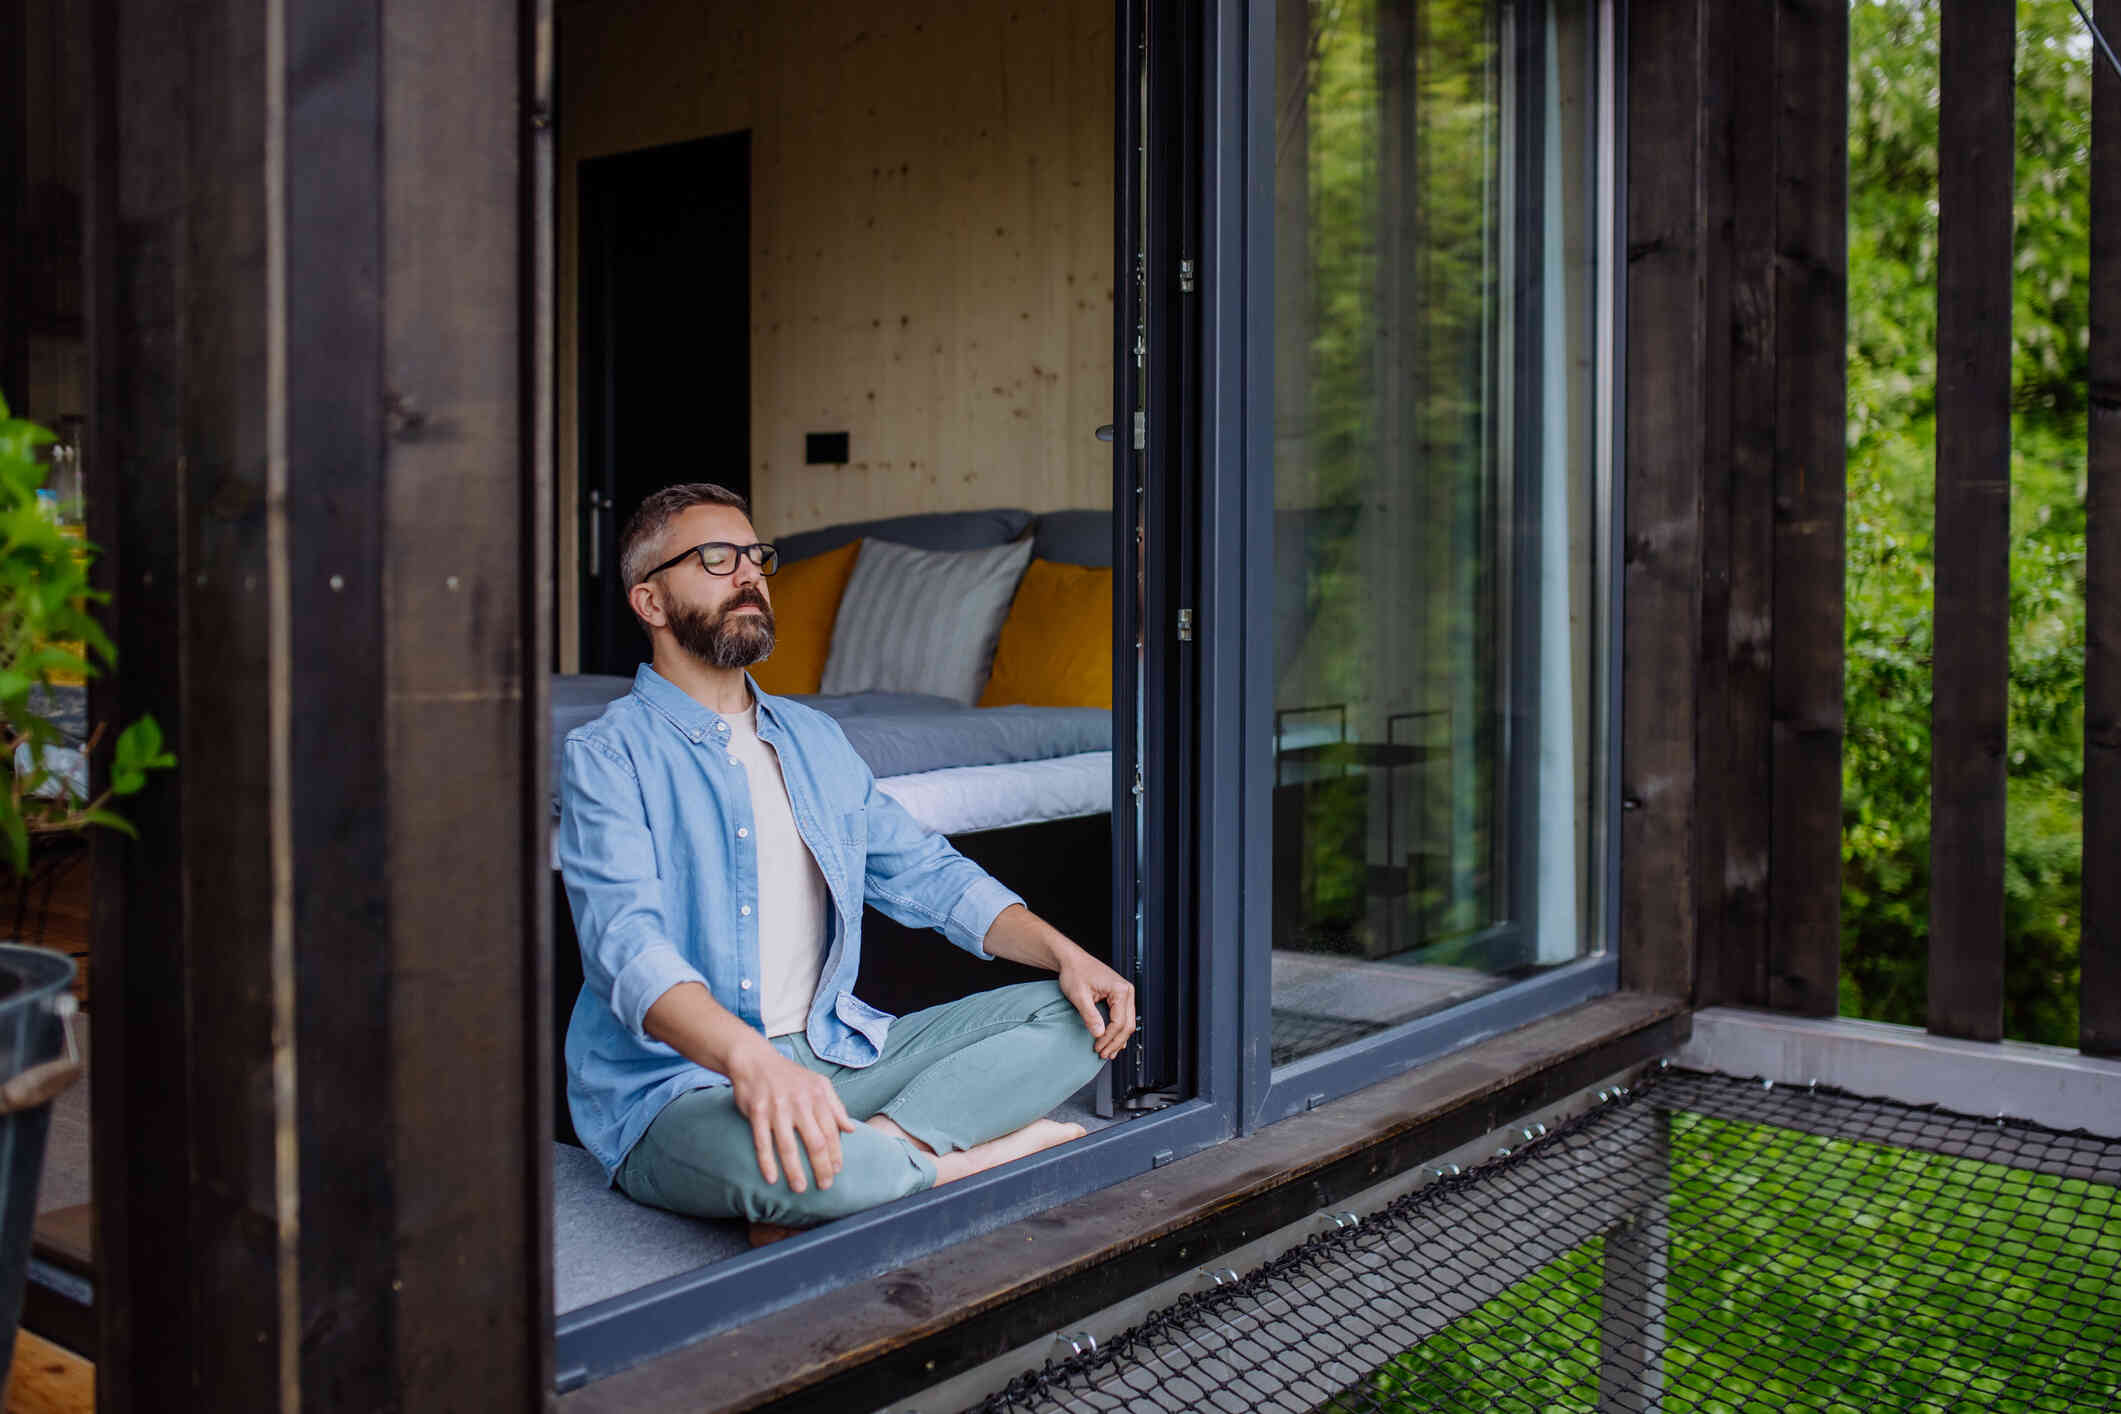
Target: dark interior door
[{"x": 665, "y": 352}]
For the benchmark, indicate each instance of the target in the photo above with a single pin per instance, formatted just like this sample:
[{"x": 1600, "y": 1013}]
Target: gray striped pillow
[{"x": 922, "y": 620}]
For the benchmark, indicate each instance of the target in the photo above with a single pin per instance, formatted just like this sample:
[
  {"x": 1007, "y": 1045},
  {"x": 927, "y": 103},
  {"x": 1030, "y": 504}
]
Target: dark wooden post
[
  {"x": 1734, "y": 835},
  {"x": 1737, "y": 304},
  {"x": 2099, "y": 1026},
  {"x": 1811, "y": 486},
  {"x": 1970, "y": 686},
  {"x": 1670, "y": 243},
  {"x": 321, "y": 1106}
]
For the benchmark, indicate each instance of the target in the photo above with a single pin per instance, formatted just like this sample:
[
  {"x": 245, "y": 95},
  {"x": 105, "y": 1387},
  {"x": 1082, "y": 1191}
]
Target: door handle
[
  {"x": 1105, "y": 433},
  {"x": 598, "y": 504}
]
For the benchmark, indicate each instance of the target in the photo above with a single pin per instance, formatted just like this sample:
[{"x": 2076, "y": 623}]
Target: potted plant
[{"x": 47, "y": 634}]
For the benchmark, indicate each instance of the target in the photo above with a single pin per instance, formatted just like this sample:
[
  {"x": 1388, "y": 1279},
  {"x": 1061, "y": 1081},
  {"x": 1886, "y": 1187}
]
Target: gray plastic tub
[{"x": 37, "y": 1061}]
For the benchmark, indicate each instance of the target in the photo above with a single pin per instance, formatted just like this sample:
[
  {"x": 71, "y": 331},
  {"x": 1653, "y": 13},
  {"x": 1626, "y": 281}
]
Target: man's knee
[
  {"x": 702, "y": 1161},
  {"x": 1070, "y": 1041}
]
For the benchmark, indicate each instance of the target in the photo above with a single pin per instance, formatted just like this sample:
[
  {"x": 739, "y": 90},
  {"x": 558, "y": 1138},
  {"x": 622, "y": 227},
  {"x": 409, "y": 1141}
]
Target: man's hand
[
  {"x": 1085, "y": 981},
  {"x": 1022, "y": 936},
  {"x": 791, "y": 1110}
]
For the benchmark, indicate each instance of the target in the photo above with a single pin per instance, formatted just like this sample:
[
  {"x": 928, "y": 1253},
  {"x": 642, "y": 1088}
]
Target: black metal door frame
[{"x": 1156, "y": 450}]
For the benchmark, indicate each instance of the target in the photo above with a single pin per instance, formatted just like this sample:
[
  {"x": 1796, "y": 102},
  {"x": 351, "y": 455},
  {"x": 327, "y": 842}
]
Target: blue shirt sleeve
[
  {"x": 607, "y": 858},
  {"x": 917, "y": 877}
]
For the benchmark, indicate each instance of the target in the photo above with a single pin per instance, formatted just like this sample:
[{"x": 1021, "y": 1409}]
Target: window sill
[{"x": 869, "y": 1344}]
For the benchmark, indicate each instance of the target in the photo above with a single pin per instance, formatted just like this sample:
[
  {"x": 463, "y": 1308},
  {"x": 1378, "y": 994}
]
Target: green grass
[{"x": 1818, "y": 1274}]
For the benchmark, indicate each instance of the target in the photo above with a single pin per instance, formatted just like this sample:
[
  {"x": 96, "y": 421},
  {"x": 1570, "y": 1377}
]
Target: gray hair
[{"x": 644, "y": 532}]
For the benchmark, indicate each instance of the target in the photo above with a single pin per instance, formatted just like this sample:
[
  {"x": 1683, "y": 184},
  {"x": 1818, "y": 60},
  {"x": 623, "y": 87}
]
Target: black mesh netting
[{"x": 1701, "y": 1243}]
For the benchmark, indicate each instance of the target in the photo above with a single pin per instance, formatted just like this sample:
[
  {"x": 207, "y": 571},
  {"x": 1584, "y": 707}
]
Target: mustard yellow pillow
[
  {"x": 1056, "y": 644},
  {"x": 806, "y": 603}
]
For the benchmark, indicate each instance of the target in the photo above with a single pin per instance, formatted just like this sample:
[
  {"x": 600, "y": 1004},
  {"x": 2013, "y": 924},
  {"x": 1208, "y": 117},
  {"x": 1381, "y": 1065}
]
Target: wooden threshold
[
  {"x": 870, "y": 1344},
  {"x": 48, "y": 1379}
]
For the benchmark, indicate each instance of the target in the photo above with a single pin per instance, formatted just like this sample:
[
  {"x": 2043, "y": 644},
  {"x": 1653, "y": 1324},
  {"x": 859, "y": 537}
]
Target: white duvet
[{"x": 960, "y": 799}]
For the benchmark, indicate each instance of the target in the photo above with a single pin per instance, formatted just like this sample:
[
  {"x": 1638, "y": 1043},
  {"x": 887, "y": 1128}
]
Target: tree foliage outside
[
  {"x": 1893, "y": 87},
  {"x": 1397, "y": 455}
]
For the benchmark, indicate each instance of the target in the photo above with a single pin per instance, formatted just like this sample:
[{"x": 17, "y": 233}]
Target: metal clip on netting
[{"x": 1697, "y": 1242}]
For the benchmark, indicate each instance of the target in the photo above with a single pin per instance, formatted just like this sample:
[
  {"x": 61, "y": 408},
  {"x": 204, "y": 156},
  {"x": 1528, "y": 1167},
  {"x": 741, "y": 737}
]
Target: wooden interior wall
[
  {"x": 932, "y": 189},
  {"x": 321, "y": 1109},
  {"x": 1735, "y": 482}
]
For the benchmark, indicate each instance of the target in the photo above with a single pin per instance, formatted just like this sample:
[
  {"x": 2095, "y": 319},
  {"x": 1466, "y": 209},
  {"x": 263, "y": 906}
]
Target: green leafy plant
[{"x": 48, "y": 632}]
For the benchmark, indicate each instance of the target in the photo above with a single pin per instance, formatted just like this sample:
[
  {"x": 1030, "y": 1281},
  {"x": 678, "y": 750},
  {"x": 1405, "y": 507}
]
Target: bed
[{"x": 956, "y": 769}]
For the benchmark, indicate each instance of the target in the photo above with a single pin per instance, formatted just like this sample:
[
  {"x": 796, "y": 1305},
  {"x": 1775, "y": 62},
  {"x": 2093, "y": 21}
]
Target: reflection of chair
[
  {"x": 1428, "y": 857},
  {"x": 1301, "y": 766}
]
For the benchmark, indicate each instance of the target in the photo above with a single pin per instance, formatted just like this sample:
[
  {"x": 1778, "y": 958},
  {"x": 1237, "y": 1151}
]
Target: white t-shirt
[{"x": 792, "y": 894}]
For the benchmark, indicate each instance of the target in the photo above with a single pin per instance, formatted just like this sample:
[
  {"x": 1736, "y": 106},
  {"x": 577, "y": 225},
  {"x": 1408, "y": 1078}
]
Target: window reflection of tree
[{"x": 1388, "y": 160}]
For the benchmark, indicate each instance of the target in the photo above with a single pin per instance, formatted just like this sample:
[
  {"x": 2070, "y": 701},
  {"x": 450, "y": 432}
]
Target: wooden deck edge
[
  {"x": 869, "y": 1344},
  {"x": 48, "y": 1379}
]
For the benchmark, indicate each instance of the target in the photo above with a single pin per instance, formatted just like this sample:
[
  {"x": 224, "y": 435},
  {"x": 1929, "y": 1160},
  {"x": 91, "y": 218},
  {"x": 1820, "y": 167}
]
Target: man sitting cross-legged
[{"x": 718, "y": 845}]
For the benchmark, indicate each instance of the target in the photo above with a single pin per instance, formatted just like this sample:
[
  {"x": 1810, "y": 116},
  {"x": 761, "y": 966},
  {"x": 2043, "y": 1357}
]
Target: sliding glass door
[{"x": 1435, "y": 560}]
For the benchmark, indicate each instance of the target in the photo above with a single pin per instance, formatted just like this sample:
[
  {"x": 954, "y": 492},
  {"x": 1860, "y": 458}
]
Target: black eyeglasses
[{"x": 721, "y": 557}]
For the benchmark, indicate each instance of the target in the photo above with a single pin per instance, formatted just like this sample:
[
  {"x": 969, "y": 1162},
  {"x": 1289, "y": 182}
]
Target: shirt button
[
  {"x": 745, "y": 984},
  {"x": 721, "y": 726},
  {"x": 694, "y": 733},
  {"x": 745, "y": 910},
  {"x": 742, "y": 833},
  {"x": 732, "y": 760}
]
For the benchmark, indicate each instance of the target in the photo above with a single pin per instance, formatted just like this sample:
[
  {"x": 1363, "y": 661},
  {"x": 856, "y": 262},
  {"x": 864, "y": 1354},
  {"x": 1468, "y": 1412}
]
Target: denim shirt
[{"x": 658, "y": 854}]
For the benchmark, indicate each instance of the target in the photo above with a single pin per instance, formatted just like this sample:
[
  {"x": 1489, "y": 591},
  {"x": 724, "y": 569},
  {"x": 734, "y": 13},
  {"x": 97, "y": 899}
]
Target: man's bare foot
[{"x": 1037, "y": 1135}]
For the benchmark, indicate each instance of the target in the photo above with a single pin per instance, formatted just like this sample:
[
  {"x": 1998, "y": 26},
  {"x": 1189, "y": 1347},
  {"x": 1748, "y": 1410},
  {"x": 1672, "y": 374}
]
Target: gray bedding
[
  {"x": 897, "y": 733},
  {"x": 900, "y": 733}
]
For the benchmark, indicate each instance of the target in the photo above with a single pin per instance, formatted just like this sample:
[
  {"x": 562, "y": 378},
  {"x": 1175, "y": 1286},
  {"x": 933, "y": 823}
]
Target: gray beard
[{"x": 725, "y": 639}]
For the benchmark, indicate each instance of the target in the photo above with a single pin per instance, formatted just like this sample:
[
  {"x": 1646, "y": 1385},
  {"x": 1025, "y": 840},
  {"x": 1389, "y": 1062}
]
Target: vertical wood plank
[
  {"x": 176, "y": 461},
  {"x": 140, "y": 1118},
  {"x": 233, "y": 1009},
  {"x": 1735, "y": 950},
  {"x": 330, "y": 678},
  {"x": 1662, "y": 555},
  {"x": 1971, "y": 676},
  {"x": 1715, "y": 798},
  {"x": 1810, "y": 487},
  {"x": 322, "y": 1112},
  {"x": 2099, "y": 1025},
  {"x": 536, "y": 564},
  {"x": 460, "y": 616}
]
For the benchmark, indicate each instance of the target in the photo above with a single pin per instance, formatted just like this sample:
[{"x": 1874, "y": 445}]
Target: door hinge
[
  {"x": 1185, "y": 625},
  {"x": 1185, "y": 277},
  {"x": 1141, "y": 431}
]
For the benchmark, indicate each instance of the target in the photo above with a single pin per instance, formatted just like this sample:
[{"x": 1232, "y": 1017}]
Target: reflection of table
[{"x": 1345, "y": 769}]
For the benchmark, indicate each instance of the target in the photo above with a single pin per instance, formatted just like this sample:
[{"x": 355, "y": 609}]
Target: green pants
[{"x": 952, "y": 1076}]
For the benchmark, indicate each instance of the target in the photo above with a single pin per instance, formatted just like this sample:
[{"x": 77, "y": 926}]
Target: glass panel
[{"x": 1434, "y": 624}]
